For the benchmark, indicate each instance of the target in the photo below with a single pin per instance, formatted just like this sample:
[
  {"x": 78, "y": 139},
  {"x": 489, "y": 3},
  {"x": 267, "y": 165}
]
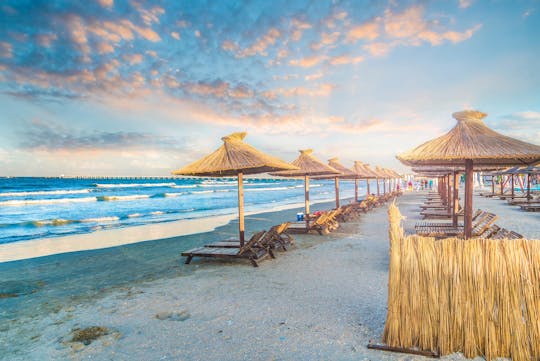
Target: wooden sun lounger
[
  {"x": 481, "y": 224},
  {"x": 503, "y": 233},
  {"x": 251, "y": 250},
  {"x": 530, "y": 207},
  {"x": 425, "y": 225},
  {"x": 277, "y": 237}
]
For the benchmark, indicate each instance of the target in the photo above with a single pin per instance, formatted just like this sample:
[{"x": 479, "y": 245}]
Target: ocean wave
[
  {"x": 52, "y": 222},
  {"x": 101, "y": 219},
  {"x": 184, "y": 186},
  {"x": 40, "y": 193},
  {"x": 173, "y": 194},
  {"x": 201, "y": 192},
  {"x": 122, "y": 198},
  {"x": 156, "y": 213},
  {"x": 27, "y": 202},
  {"x": 135, "y": 215},
  {"x": 133, "y": 185}
]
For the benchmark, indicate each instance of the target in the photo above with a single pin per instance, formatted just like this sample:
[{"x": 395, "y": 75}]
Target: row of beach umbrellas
[{"x": 237, "y": 158}]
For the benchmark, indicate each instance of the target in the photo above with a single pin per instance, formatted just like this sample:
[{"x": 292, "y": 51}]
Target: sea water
[{"x": 33, "y": 208}]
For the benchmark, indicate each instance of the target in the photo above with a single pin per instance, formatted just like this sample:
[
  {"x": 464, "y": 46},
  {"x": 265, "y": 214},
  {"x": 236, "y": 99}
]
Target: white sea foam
[
  {"x": 133, "y": 185},
  {"x": 40, "y": 193},
  {"x": 135, "y": 215},
  {"x": 28, "y": 202},
  {"x": 178, "y": 194},
  {"x": 202, "y": 192},
  {"x": 101, "y": 219},
  {"x": 123, "y": 198},
  {"x": 156, "y": 213},
  {"x": 185, "y": 186}
]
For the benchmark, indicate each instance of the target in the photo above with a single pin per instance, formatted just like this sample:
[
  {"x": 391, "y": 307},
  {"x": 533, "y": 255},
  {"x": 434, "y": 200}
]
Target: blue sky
[{"x": 111, "y": 87}]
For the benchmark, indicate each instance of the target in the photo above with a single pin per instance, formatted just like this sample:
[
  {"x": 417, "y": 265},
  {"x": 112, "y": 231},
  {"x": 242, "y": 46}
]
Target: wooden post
[
  {"x": 502, "y": 184},
  {"x": 384, "y": 185},
  {"x": 455, "y": 207},
  {"x": 449, "y": 195},
  {"x": 241, "y": 207},
  {"x": 492, "y": 184},
  {"x": 468, "y": 198},
  {"x": 356, "y": 189},
  {"x": 528, "y": 187},
  {"x": 368, "y": 191},
  {"x": 306, "y": 192},
  {"x": 336, "y": 180},
  {"x": 512, "y": 185},
  {"x": 378, "y": 193}
]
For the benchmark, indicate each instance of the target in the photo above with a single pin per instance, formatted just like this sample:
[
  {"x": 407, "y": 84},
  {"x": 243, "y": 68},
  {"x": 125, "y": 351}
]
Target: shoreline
[{"x": 107, "y": 238}]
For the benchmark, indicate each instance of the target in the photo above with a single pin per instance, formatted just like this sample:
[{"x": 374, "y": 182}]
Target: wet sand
[{"x": 324, "y": 299}]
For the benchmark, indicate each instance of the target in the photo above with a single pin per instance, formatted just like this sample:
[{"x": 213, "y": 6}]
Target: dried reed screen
[{"x": 480, "y": 297}]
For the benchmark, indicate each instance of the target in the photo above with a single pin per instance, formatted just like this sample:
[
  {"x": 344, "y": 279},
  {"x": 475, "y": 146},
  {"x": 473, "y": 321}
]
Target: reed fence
[{"x": 480, "y": 297}]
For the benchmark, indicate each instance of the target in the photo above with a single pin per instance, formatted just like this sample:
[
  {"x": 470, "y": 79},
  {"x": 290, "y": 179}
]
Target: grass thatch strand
[{"x": 476, "y": 296}]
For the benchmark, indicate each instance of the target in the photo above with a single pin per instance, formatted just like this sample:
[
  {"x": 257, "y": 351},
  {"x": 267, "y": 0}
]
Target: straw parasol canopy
[
  {"x": 472, "y": 139},
  {"x": 235, "y": 158},
  {"x": 344, "y": 173},
  {"x": 472, "y": 144},
  {"x": 308, "y": 166}
]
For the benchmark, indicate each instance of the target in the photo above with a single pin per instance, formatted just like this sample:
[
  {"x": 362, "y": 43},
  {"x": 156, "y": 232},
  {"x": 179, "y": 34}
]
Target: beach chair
[
  {"x": 425, "y": 225},
  {"x": 530, "y": 207},
  {"x": 277, "y": 237},
  {"x": 480, "y": 225},
  {"x": 252, "y": 250}
]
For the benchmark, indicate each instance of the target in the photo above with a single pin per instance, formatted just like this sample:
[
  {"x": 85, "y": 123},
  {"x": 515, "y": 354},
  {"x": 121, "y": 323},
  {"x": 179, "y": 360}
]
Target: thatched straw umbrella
[
  {"x": 235, "y": 158},
  {"x": 344, "y": 173},
  {"x": 363, "y": 172},
  {"x": 471, "y": 143},
  {"x": 308, "y": 166}
]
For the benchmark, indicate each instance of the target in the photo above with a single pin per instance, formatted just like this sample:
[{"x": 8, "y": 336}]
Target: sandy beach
[{"x": 324, "y": 299}]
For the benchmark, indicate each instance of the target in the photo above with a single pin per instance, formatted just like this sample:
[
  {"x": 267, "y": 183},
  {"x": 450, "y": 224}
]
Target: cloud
[
  {"x": 378, "y": 48},
  {"x": 106, "y": 3},
  {"x": 463, "y": 4},
  {"x": 41, "y": 135},
  {"x": 308, "y": 62},
  {"x": 366, "y": 31},
  {"x": 6, "y": 50},
  {"x": 523, "y": 125},
  {"x": 313, "y": 76},
  {"x": 346, "y": 59},
  {"x": 175, "y": 35},
  {"x": 133, "y": 59},
  {"x": 297, "y": 29},
  {"x": 258, "y": 47},
  {"x": 320, "y": 91},
  {"x": 326, "y": 40}
]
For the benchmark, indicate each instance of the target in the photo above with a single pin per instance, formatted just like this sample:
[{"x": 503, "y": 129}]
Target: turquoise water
[{"x": 32, "y": 208}]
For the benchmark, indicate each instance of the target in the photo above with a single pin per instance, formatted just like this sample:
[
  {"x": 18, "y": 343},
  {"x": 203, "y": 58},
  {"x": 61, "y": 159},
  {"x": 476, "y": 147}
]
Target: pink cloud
[
  {"x": 366, "y": 31},
  {"x": 259, "y": 47},
  {"x": 320, "y": 91},
  {"x": 104, "y": 48},
  {"x": 6, "y": 50},
  {"x": 106, "y": 3},
  {"x": 308, "y": 62},
  {"x": 377, "y": 49},
  {"x": 46, "y": 40},
  {"x": 133, "y": 59},
  {"x": 327, "y": 39},
  {"x": 314, "y": 76},
  {"x": 346, "y": 59}
]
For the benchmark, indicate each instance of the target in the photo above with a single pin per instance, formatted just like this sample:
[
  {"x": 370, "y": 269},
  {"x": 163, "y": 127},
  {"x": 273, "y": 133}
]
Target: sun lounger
[
  {"x": 503, "y": 233},
  {"x": 277, "y": 237},
  {"x": 530, "y": 207},
  {"x": 252, "y": 250},
  {"x": 323, "y": 224},
  {"x": 425, "y": 225},
  {"x": 480, "y": 225}
]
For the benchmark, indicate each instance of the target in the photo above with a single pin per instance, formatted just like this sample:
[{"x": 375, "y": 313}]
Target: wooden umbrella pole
[
  {"x": 241, "y": 207},
  {"x": 378, "y": 192},
  {"x": 449, "y": 195},
  {"x": 502, "y": 185},
  {"x": 356, "y": 189},
  {"x": 368, "y": 191},
  {"x": 512, "y": 185},
  {"x": 468, "y": 198},
  {"x": 528, "y": 187},
  {"x": 336, "y": 180},
  {"x": 384, "y": 186},
  {"x": 455, "y": 208},
  {"x": 306, "y": 191},
  {"x": 492, "y": 184}
]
